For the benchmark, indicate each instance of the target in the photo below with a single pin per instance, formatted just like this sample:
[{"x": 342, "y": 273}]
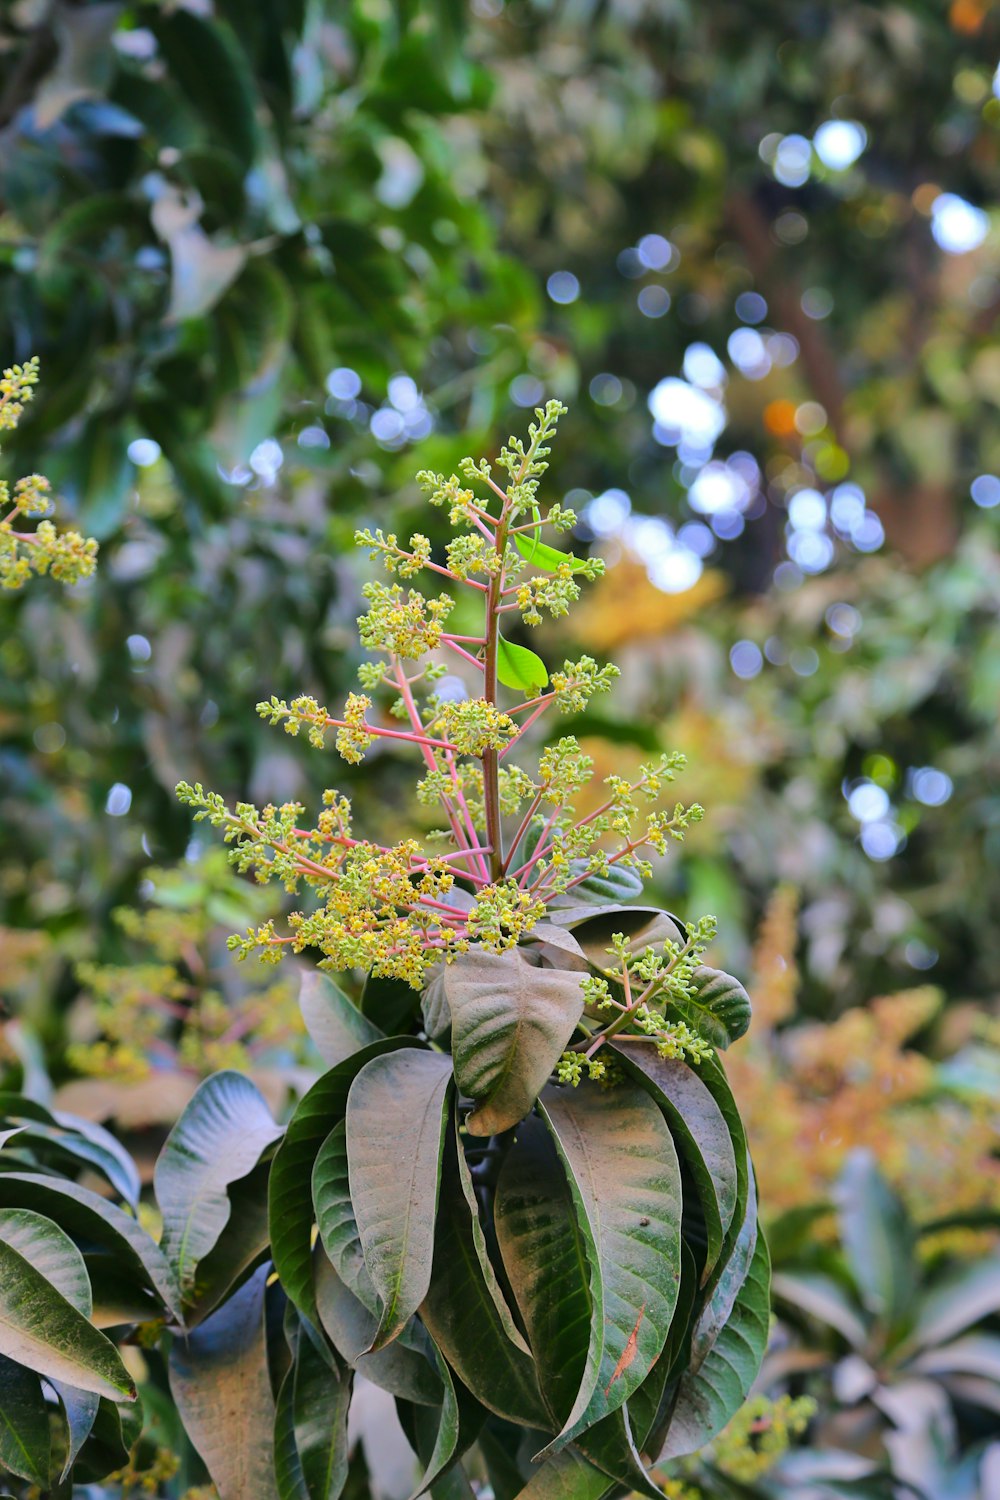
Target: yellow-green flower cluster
[
  {"x": 503, "y": 913},
  {"x": 66, "y": 555},
  {"x": 473, "y": 725},
  {"x": 404, "y": 624},
  {"x": 395, "y": 558},
  {"x": 579, "y": 681}
]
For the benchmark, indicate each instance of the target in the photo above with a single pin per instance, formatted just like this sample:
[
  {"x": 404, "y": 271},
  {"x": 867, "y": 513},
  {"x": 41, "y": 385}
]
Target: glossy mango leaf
[
  {"x": 86, "y": 1216},
  {"x": 219, "y": 1139},
  {"x": 290, "y": 1204},
  {"x": 335, "y": 1220},
  {"x": 625, "y": 1178},
  {"x": 24, "y": 1424},
  {"x": 520, "y": 668},
  {"x": 462, "y": 1318},
  {"x": 594, "y": 926},
  {"x": 719, "y": 1007},
  {"x": 219, "y": 1380},
  {"x": 727, "y": 1350},
  {"x": 567, "y": 1476},
  {"x": 40, "y": 1328},
  {"x": 334, "y": 1022},
  {"x": 511, "y": 1023},
  {"x": 700, "y": 1133},
  {"x": 402, "y": 1096}
]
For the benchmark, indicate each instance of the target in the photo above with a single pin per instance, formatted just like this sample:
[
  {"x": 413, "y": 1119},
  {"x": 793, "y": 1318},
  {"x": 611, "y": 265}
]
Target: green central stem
[{"x": 491, "y": 758}]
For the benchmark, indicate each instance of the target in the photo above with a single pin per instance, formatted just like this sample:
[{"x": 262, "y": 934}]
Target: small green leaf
[
  {"x": 402, "y": 1096},
  {"x": 511, "y": 1022},
  {"x": 540, "y": 555},
  {"x": 219, "y": 1380},
  {"x": 519, "y": 668},
  {"x": 334, "y": 1022},
  {"x": 220, "y": 1137}
]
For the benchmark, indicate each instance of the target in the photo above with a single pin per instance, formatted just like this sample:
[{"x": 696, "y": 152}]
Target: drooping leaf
[
  {"x": 609, "y": 1445},
  {"x": 24, "y": 1424},
  {"x": 434, "y": 1004},
  {"x": 719, "y": 1007},
  {"x": 446, "y": 1433},
  {"x": 878, "y": 1240},
  {"x": 87, "y": 1215},
  {"x": 567, "y": 1476},
  {"x": 334, "y": 1022},
  {"x": 649, "y": 1406},
  {"x": 338, "y": 1228},
  {"x": 219, "y": 1380},
  {"x": 540, "y": 555},
  {"x": 219, "y": 1138},
  {"x": 625, "y": 1176},
  {"x": 486, "y": 1270},
  {"x": 290, "y": 1205},
  {"x": 520, "y": 668},
  {"x": 462, "y": 1318},
  {"x": 54, "y": 1254},
  {"x": 41, "y": 1329},
  {"x": 700, "y": 1132},
  {"x": 117, "y": 1428},
  {"x": 401, "y": 1096},
  {"x": 511, "y": 1023},
  {"x": 400, "y": 1369},
  {"x": 713, "y": 1389},
  {"x": 713, "y": 1076},
  {"x": 311, "y": 1425},
  {"x": 242, "y": 1244},
  {"x": 549, "y": 1255}
]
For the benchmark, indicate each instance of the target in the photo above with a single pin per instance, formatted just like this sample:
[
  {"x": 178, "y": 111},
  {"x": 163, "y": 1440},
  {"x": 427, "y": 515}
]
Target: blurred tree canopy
[{"x": 276, "y": 257}]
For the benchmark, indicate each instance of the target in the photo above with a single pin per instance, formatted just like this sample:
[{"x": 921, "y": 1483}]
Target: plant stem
[{"x": 491, "y": 759}]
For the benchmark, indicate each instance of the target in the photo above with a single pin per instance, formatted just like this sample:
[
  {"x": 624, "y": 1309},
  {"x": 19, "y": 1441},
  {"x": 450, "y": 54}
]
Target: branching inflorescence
[{"x": 513, "y": 843}]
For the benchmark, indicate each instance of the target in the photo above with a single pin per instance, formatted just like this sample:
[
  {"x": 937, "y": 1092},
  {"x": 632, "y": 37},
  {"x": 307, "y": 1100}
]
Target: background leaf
[{"x": 334, "y": 1022}]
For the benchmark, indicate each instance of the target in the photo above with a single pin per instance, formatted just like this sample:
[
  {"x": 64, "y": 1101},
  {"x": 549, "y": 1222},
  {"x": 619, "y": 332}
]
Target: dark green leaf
[
  {"x": 24, "y": 1424},
  {"x": 390, "y": 1004},
  {"x": 215, "y": 77},
  {"x": 594, "y": 926},
  {"x": 241, "y": 1245},
  {"x": 486, "y": 1270},
  {"x": 219, "y": 1380},
  {"x": 510, "y": 1024},
  {"x": 290, "y": 1205},
  {"x": 334, "y": 1022},
  {"x": 338, "y": 1228},
  {"x": 699, "y": 1129},
  {"x": 401, "y": 1096},
  {"x": 625, "y": 1178},
  {"x": 312, "y": 1410},
  {"x": 619, "y": 884},
  {"x": 519, "y": 668},
  {"x": 549, "y": 1254},
  {"x": 462, "y": 1318},
  {"x": 219, "y": 1138},
  {"x": 719, "y": 1007},
  {"x": 79, "y": 1409},
  {"x": 720, "y": 1375},
  {"x": 400, "y": 1368},
  {"x": 567, "y": 1476}
]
